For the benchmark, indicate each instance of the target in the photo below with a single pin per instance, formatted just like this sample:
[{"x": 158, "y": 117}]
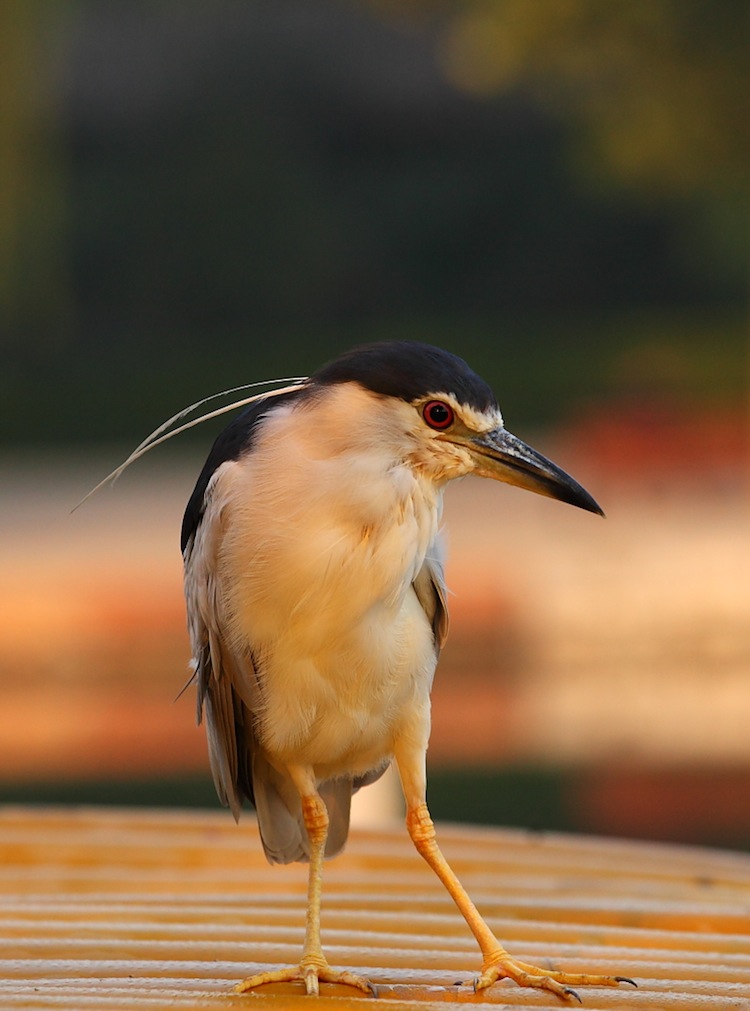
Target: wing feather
[
  {"x": 230, "y": 695},
  {"x": 431, "y": 592}
]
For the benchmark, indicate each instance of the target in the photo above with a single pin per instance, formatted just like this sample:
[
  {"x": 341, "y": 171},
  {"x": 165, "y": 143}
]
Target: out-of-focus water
[{"x": 573, "y": 639}]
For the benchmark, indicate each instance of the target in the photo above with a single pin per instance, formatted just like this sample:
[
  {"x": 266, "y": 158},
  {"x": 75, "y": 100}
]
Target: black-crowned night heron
[{"x": 317, "y": 607}]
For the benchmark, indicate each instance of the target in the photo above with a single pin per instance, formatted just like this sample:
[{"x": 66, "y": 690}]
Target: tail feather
[
  {"x": 337, "y": 794},
  {"x": 280, "y": 819}
]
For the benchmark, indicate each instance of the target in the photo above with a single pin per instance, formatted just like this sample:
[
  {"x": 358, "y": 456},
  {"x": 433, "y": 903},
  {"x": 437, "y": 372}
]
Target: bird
[{"x": 317, "y": 608}]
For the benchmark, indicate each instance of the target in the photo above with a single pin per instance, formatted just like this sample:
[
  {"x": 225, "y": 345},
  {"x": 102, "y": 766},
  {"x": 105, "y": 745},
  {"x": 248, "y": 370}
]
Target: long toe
[
  {"x": 563, "y": 984},
  {"x": 261, "y": 978},
  {"x": 329, "y": 975}
]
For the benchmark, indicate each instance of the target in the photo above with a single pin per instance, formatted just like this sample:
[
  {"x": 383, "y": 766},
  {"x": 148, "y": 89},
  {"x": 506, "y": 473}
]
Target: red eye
[{"x": 437, "y": 414}]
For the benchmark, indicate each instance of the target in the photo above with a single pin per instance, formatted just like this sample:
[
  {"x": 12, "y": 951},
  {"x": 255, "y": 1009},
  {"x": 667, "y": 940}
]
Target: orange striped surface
[{"x": 121, "y": 909}]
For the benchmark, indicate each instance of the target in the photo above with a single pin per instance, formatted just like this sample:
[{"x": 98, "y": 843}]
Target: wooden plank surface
[{"x": 127, "y": 909}]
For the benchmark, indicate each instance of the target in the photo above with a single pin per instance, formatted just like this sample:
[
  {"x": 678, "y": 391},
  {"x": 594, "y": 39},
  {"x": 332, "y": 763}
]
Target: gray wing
[
  {"x": 228, "y": 690},
  {"x": 230, "y": 693},
  {"x": 431, "y": 592}
]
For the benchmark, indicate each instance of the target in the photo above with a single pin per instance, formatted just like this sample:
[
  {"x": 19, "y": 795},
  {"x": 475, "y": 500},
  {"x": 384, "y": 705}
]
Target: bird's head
[{"x": 439, "y": 415}]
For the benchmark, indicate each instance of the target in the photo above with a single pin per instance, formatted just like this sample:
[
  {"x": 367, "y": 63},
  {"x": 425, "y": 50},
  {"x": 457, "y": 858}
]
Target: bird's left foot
[
  {"x": 500, "y": 965},
  {"x": 311, "y": 974}
]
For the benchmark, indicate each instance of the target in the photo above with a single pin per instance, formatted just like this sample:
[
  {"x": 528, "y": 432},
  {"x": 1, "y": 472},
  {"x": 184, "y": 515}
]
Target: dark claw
[
  {"x": 373, "y": 989},
  {"x": 572, "y": 993},
  {"x": 474, "y": 983},
  {"x": 626, "y": 979}
]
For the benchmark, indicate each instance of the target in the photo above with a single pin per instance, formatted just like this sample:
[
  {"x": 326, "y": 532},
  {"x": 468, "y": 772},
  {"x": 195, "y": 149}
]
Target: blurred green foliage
[
  {"x": 656, "y": 90},
  {"x": 197, "y": 195}
]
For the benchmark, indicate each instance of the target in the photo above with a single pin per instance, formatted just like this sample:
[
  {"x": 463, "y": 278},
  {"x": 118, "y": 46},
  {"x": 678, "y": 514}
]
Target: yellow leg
[
  {"x": 313, "y": 967},
  {"x": 496, "y": 962}
]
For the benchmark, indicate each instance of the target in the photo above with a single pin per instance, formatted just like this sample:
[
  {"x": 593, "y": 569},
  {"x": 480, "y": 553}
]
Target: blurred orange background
[{"x": 616, "y": 651}]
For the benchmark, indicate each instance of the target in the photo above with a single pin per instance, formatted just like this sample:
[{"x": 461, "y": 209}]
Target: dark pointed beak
[{"x": 503, "y": 457}]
